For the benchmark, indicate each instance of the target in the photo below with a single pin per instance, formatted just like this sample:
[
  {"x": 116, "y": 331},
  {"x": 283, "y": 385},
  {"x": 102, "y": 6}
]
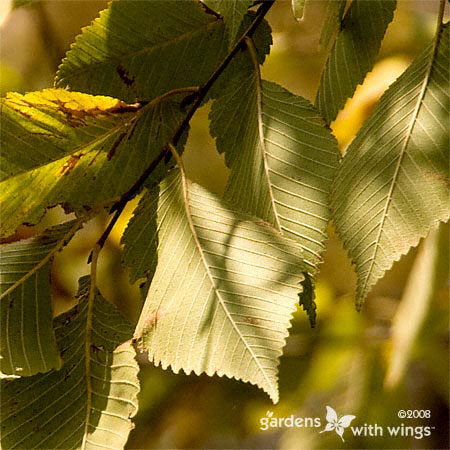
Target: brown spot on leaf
[
  {"x": 25, "y": 114},
  {"x": 70, "y": 164},
  {"x": 125, "y": 75},
  {"x": 252, "y": 320},
  {"x": 435, "y": 175},
  {"x": 76, "y": 117},
  {"x": 152, "y": 320}
]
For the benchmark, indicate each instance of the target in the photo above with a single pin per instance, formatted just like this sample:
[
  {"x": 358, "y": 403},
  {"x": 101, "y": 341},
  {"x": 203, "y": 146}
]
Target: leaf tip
[{"x": 306, "y": 299}]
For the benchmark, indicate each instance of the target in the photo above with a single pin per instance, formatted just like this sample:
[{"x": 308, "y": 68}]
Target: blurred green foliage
[{"x": 344, "y": 361}]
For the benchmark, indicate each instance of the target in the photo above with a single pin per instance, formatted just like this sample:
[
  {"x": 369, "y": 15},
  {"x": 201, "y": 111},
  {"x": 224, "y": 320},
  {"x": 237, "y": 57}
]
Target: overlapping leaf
[
  {"x": 224, "y": 288},
  {"x": 232, "y": 11},
  {"x": 140, "y": 240},
  {"x": 142, "y": 49},
  {"x": 282, "y": 159},
  {"x": 393, "y": 183},
  {"x": 50, "y": 410},
  {"x": 27, "y": 339},
  {"x": 332, "y": 23},
  {"x": 75, "y": 149},
  {"x": 353, "y": 54},
  {"x": 242, "y": 64},
  {"x": 139, "y": 256}
]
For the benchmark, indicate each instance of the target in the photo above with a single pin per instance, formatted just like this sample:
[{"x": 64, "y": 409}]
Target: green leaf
[
  {"x": 282, "y": 159},
  {"x": 140, "y": 240},
  {"x": 392, "y": 186},
  {"x": 61, "y": 147},
  {"x": 242, "y": 64},
  {"x": 332, "y": 23},
  {"x": 224, "y": 289},
  {"x": 232, "y": 11},
  {"x": 306, "y": 299},
  {"x": 142, "y": 49},
  {"x": 50, "y": 410},
  {"x": 27, "y": 340},
  {"x": 262, "y": 40},
  {"x": 137, "y": 254},
  {"x": 353, "y": 54}
]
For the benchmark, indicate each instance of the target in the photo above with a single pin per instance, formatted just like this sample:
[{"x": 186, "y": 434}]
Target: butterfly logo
[{"x": 338, "y": 425}]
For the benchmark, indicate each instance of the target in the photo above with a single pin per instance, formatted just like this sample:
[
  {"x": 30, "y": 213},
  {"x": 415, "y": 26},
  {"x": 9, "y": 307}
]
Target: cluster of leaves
[{"x": 217, "y": 273}]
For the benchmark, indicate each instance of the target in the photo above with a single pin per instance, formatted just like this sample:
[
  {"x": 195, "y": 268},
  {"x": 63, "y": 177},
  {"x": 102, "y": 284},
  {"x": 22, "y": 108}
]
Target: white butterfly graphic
[{"x": 337, "y": 424}]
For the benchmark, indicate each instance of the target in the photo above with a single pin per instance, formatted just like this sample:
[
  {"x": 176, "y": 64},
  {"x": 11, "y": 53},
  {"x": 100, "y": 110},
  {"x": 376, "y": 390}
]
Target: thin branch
[
  {"x": 196, "y": 99},
  {"x": 262, "y": 11}
]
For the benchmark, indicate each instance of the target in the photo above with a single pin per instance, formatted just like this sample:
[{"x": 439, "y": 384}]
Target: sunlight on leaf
[
  {"x": 392, "y": 186},
  {"x": 49, "y": 411},
  {"x": 224, "y": 289},
  {"x": 61, "y": 147},
  {"x": 353, "y": 54},
  {"x": 120, "y": 54},
  {"x": 27, "y": 340},
  {"x": 282, "y": 159}
]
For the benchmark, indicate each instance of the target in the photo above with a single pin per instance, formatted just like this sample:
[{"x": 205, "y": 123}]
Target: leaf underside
[
  {"x": 27, "y": 340},
  {"x": 306, "y": 299},
  {"x": 61, "y": 147},
  {"x": 332, "y": 23},
  {"x": 282, "y": 159},
  {"x": 140, "y": 240},
  {"x": 353, "y": 54},
  {"x": 49, "y": 411},
  {"x": 232, "y": 11},
  {"x": 130, "y": 53},
  {"x": 393, "y": 184},
  {"x": 224, "y": 288}
]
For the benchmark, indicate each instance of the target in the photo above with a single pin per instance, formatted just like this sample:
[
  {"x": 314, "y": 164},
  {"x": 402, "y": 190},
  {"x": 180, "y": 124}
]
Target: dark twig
[
  {"x": 203, "y": 91},
  {"x": 196, "y": 100}
]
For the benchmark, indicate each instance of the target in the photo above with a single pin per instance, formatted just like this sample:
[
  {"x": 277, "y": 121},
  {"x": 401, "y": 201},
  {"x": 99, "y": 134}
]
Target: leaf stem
[
  {"x": 87, "y": 348},
  {"x": 440, "y": 17},
  {"x": 197, "y": 99},
  {"x": 262, "y": 11}
]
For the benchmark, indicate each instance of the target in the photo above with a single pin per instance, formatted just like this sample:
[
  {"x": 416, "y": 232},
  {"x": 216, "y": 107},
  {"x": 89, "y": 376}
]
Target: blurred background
[{"x": 393, "y": 355}]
